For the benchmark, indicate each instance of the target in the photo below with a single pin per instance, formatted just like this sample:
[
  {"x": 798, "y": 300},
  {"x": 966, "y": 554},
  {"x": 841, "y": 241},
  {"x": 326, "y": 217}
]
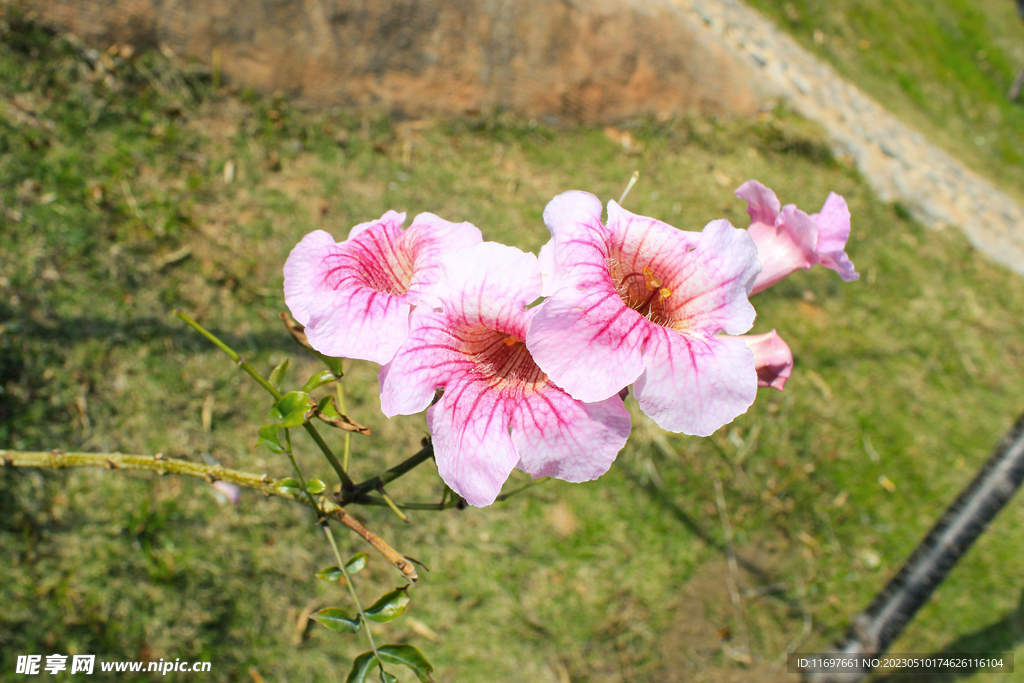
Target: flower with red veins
[
  {"x": 355, "y": 297},
  {"x": 772, "y": 359},
  {"x": 641, "y": 302},
  {"x": 498, "y": 410},
  {"x": 788, "y": 239}
]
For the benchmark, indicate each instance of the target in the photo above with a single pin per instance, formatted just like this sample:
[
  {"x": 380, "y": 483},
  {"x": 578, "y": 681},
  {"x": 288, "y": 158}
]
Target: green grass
[
  {"x": 942, "y": 66},
  {"x": 913, "y": 372}
]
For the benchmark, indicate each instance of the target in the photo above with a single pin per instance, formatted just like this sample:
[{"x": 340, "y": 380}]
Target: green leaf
[
  {"x": 315, "y": 486},
  {"x": 389, "y": 607},
  {"x": 408, "y": 656},
  {"x": 357, "y": 563},
  {"x": 327, "y": 411},
  {"x": 330, "y": 574},
  {"x": 319, "y": 379},
  {"x": 269, "y": 439},
  {"x": 290, "y": 486},
  {"x": 277, "y": 374},
  {"x": 291, "y": 410},
  {"x": 385, "y": 677},
  {"x": 360, "y": 667},
  {"x": 326, "y": 407},
  {"x": 336, "y": 619}
]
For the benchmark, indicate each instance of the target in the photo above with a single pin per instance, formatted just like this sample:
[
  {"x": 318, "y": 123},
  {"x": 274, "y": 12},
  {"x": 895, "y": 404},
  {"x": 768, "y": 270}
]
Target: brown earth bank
[{"x": 578, "y": 60}]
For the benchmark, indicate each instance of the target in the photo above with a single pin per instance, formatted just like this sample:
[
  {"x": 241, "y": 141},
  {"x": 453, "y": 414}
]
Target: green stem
[
  {"x": 379, "y": 502},
  {"x": 391, "y": 504},
  {"x": 346, "y": 481},
  {"x": 242, "y": 363},
  {"x": 506, "y": 496},
  {"x": 298, "y": 472},
  {"x": 374, "y": 483},
  {"x": 352, "y": 592},
  {"x": 340, "y": 391}
]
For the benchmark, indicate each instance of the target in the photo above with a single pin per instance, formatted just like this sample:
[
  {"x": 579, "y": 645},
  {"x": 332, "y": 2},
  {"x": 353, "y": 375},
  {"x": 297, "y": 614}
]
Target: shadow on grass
[
  {"x": 763, "y": 576},
  {"x": 144, "y": 329},
  {"x": 998, "y": 637}
]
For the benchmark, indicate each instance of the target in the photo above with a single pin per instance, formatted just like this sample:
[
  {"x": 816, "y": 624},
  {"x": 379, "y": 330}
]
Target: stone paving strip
[{"x": 898, "y": 162}]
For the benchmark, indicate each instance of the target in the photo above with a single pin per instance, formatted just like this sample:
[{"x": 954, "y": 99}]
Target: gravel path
[{"x": 896, "y": 160}]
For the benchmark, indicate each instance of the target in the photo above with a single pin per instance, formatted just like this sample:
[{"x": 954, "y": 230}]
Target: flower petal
[
  {"x": 472, "y": 446},
  {"x": 557, "y": 436},
  {"x": 588, "y": 342},
  {"x": 785, "y": 247},
  {"x": 773, "y": 359},
  {"x": 577, "y": 252},
  {"x": 427, "y": 240},
  {"x": 695, "y": 385},
  {"x": 358, "y": 323},
  {"x": 762, "y": 204},
  {"x": 712, "y": 282},
  {"x": 428, "y": 359},
  {"x": 306, "y": 273},
  {"x": 489, "y": 285},
  {"x": 833, "y": 232}
]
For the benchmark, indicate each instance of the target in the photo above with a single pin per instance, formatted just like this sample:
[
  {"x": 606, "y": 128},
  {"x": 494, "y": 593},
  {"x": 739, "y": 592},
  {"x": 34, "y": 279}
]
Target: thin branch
[
  {"x": 374, "y": 483},
  {"x": 57, "y": 459}
]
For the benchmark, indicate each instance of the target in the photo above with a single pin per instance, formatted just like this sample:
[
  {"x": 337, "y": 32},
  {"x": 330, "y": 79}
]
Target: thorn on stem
[
  {"x": 7, "y": 462},
  {"x": 210, "y": 477},
  {"x": 110, "y": 465},
  {"x": 159, "y": 456}
]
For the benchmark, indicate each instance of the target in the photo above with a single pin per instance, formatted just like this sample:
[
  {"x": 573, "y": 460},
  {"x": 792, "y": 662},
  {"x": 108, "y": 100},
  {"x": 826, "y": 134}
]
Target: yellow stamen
[
  {"x": 511, "y": 341},
  {"x": 664, "y": 293},
  {"x": 652, "y": 282}
]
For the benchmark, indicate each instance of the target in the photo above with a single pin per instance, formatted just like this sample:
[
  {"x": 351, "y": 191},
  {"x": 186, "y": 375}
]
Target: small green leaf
[
  {"x": 385, "y": 677},
  {"x": 407, "y": 655},
  {"x": 327, "y": 411},
  {"x": 269, "y": 439},
  {"x": 291, "y": 410},
  {"x": 360, "y": 667},
  {"x": 330, "y": 574},
  {"x": 336, "y": 619},
  {"x": 289, "y": 486},
  {"x": 315, "y": 486},
  {"x": 357, "y": 563},
  {"x": 389, "y": 607},
  {"x": 326, "y": 407},
  {"x": 277, "y": 374},
  {"x": 319, "y": 379}
]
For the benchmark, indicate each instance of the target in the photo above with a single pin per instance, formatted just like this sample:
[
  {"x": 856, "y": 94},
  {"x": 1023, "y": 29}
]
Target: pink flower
[
  {"x": 772, "y": 359},
  {"x": 788, "y": 239},
  {"x": 498, "y": 410},
  {"x": 355, "y": 297},
  {"x": 640, "y": 301}
]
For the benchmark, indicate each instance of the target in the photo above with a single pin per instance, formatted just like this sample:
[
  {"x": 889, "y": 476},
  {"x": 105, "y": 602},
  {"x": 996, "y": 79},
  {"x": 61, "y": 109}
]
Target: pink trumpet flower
[
  {"x": 355, "y": 297},
  {"x": 788, "y": 239},
  {"x": 640, "y": 301},
  {"x": 498, "y": 410},
  {"x": 772, "y": 359}
]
